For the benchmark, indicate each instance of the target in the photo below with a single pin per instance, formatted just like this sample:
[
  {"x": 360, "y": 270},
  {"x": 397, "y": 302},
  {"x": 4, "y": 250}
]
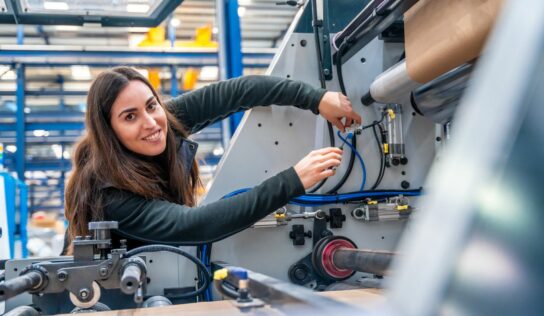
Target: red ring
[{"x": 327, "y": 255}]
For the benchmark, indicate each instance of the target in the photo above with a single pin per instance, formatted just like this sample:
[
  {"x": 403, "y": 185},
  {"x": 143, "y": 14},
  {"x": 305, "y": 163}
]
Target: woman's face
[{"x": 138, "y": 120}]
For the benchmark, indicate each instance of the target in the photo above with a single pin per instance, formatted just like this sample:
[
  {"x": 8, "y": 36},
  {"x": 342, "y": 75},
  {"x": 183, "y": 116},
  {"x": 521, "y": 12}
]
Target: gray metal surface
[{"x": 254, "y": 156}]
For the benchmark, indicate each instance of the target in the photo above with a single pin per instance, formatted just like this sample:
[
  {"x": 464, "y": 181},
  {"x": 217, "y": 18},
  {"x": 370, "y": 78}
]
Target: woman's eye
[
  {"x": 130, "y": 117},
  {"x": 152, "y": 106}
]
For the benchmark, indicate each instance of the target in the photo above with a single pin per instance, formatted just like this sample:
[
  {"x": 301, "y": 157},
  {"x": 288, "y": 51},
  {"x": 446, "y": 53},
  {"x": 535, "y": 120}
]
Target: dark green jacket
[{"x": 144, "y": 221}]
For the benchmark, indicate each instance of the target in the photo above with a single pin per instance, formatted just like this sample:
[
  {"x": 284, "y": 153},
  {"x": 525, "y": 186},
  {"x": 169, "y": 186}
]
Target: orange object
[
  {"x": 154, "y": 78},
  {"x": 189, "y": 79}
]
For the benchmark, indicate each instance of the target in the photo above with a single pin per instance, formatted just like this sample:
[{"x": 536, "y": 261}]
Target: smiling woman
[
  {"x": 138, "y": 120},
  {"x": 136, "y": 166}
]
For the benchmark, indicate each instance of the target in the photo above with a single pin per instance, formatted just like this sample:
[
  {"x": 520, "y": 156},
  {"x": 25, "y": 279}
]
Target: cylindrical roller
[
  {"x": 132, "y": 274},
  {"x": 26, "y": 282},
  {"x": 374, "y": 262},
  {"x": 156, "y": 301},
  {"x": 23, "y": 311},
  {"x": 392, "y": 86},
  {"x": 438, "y": 99}
]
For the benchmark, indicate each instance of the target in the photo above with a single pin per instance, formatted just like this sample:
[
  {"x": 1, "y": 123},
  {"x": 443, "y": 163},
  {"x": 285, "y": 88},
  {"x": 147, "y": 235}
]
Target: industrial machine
[{"x": 436, "y": 186}]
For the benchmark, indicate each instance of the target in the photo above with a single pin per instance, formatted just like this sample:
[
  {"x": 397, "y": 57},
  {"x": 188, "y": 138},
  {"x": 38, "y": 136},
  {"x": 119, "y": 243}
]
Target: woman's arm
[
  {"x": 157, "y": 221},
  {"x": 204, "y": 106}
]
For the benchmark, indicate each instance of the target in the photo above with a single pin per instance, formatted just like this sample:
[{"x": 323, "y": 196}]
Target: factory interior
[{"x": 426, "y": 205}]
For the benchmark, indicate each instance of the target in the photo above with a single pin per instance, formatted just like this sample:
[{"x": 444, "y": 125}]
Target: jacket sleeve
[
  {"x": 207, "y": 105},
  {"x": 158, "y": 221}
]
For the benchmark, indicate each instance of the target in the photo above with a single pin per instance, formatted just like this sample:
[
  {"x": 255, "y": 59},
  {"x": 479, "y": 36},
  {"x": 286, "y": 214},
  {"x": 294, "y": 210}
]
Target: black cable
[
  {"x": 315, "y": 25},
  {"x": 354, "y": 138},
  {"x": 201, "y": 267},
  {"x": 382, "y": 132},
  {"x": 382, "y": 158}
]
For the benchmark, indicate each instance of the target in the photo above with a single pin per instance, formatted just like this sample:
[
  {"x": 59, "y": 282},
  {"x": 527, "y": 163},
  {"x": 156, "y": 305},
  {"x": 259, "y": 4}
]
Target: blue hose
[{"x": 349, "y": 136}]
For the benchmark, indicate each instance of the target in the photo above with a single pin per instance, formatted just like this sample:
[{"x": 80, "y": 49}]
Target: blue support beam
[
  {"x": 174, "y": 81},
  {"x": 20, "y": 123},
  {"x": 230, "y": 48}
]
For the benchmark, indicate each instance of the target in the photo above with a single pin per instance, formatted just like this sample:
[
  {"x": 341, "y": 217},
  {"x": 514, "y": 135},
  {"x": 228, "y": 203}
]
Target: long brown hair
[{"x": 100, "y": 160}]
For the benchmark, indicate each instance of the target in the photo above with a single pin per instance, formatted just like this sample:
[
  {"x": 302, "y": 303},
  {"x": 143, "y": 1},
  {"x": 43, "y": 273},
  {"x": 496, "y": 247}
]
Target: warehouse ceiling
[{"x": 263, "y": 24}]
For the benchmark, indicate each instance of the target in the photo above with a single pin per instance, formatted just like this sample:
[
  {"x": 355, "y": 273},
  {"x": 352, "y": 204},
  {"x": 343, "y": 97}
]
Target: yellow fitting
[
  {"x": 386, "y": 148},
  {"x": 401, "y": 208},
  {"x": 372, "y": 202},
  {"x": 279, "y": 216},
  {"x": 220, "y": 274},
  {"x": 391, "y": 114}
]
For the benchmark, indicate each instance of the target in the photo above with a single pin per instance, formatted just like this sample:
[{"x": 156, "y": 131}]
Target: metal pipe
[
  {"x": 439, "y": 98},
  {"x": 392, "y": 86},
  {"x": 375, "y": 262},
  {"x": 26, "y": 282}
]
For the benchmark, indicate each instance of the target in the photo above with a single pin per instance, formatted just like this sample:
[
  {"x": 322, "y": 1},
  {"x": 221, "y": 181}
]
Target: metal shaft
[
  {"x": 20, "y": 284},
  {"x": 375, "y": 262}
]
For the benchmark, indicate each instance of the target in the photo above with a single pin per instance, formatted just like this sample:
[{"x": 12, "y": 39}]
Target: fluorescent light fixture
[
  {"x": 143, "y": 72},
  {"x": 11, "y": 148},
  {"x": 40, "y": 133},
  {"x": 218, "y": 151},
  {"x": 27, "y": 110},
  {"x": 57, "y": 150},
  {"x": 69, "y": 28},
  {"x": 9, "y": 75},
  {"x": 55, "y": 5},
  {"x": 80, "y": 72},
  {"x": 209, "y": 73},
  {"x": 137, "y": 8},
  {"x": 241, "y": 12},
  {"x": 175, "y": 22}
]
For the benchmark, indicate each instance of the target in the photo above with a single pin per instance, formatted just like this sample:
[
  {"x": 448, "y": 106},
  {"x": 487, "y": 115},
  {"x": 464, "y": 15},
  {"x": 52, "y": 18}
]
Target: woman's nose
[{"x": 149, "y": 121}]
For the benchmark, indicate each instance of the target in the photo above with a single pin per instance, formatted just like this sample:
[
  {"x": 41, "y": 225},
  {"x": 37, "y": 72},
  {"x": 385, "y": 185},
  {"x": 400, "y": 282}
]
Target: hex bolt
[
  {"x": 103, "y": 271},
  {"x": 326, "y": 72},
  {"x": 62, "y": 276},
  {"x": 83, "y": 293}
]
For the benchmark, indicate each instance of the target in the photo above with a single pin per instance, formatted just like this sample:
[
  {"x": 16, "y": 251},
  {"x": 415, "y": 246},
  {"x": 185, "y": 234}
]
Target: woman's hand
[
  {"x": 336, "y": 108},
  {"x": 318, "y": 165}
]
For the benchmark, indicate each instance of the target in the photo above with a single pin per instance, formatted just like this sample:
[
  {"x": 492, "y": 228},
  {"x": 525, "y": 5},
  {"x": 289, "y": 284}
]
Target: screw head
[
  {"x": 83, "y": 293},
  {"x": 62, "y": 276},
  {"x": 103, "y": 271},
  {"x": 326, "y": 72}
]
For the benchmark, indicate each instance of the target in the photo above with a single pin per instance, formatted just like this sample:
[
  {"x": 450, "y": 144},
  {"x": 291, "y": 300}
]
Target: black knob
[
  {"x": 405, "y": 184},
  {"x": 403, "y": 161},
  {"x": 395, "y": 161}
]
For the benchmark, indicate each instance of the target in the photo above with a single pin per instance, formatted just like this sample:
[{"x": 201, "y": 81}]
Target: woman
[{"x": 136, "y": 166}]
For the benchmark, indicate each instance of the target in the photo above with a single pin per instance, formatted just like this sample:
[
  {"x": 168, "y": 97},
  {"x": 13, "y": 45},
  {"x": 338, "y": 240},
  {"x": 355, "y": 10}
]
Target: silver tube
[
  {"x": 439, "y": 98},
  {"x": 394, "y": 85}
]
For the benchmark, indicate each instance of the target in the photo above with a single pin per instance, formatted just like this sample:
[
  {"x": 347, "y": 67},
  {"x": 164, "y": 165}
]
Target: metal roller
[
  {"x": 29, "y": 281},
  {"x": 374, "y": 262},
  {"x": 336, "y": 258},
  {"x": 438, "y": 99}
]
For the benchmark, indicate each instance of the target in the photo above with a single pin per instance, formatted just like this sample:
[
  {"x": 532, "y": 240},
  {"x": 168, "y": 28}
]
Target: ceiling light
[
  {"x": 209, "y": 73},
  {"x": 175, "y": 22},
  {"x": 138, "y": 8},
  {"x": 80, "y": 72},
  {"x": 245, "y": 2},
  {"x": 50, "y": 5},
  {"x": 241, "y": 12}
]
